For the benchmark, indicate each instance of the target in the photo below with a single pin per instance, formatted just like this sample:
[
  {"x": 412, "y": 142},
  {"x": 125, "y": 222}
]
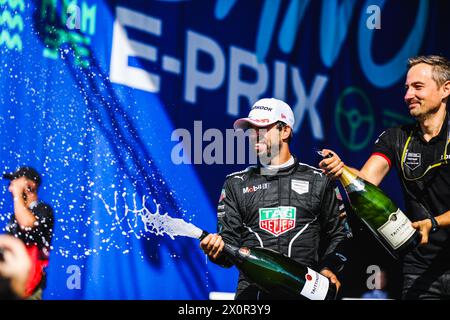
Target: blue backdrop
[{"x": 92, "y": 91}]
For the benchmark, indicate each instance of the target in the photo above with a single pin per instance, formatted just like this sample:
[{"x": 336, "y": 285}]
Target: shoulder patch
[{"x": 378, "y": 139}]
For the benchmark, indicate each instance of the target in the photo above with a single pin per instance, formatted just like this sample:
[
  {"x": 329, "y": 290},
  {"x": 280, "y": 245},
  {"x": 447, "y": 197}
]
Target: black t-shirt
[
  {"x": 6, "y": 292},
  {"x": 41, "y": 234},
  {"x": 425, "y": 178}
]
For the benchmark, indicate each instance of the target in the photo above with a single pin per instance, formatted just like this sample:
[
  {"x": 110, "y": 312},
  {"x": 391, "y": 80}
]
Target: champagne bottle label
[
  {"x": 316, "y": 286},
  {"x": 397, "y": 229}
]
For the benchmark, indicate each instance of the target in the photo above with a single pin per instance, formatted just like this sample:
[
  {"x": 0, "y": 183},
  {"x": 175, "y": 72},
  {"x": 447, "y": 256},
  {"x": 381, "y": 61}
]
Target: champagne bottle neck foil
[{"x": 347, "y": 177}]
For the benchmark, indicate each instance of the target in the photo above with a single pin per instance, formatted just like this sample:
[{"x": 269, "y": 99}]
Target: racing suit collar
[
  {"x": 288, "y": 163},
  {"x": 284, "y": 171}
]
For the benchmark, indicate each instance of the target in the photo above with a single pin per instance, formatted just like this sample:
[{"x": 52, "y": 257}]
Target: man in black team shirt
[{"x": 421, "y": 156}]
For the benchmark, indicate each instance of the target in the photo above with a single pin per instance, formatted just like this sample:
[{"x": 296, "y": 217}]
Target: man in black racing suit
[{"x": 283, "y": 205}]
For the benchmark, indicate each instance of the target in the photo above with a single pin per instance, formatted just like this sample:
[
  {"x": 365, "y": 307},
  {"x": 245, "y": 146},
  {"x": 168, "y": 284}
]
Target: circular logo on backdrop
[
  {"x": 354, "y": 119},
  {"x": 308, "y": 277}
]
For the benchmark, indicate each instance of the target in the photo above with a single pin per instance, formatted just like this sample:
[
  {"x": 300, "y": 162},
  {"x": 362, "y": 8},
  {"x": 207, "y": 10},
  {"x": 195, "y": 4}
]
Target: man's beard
[{"x": 272, "y": 150}]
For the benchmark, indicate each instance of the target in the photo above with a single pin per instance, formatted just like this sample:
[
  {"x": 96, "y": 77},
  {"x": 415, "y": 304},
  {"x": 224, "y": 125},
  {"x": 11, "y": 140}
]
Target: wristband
[{"x": 434, "y": 224}]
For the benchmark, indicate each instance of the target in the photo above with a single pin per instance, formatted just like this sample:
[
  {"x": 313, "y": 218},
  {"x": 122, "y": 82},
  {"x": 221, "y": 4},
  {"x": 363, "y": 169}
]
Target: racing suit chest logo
[
  {"x": 261, "y": 186},
  {"x": 277, "y": 220}
]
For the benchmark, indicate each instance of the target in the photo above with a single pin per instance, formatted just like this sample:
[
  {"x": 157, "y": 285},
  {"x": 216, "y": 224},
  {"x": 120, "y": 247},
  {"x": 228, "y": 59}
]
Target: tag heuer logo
[{"x": 277, "y": 221}]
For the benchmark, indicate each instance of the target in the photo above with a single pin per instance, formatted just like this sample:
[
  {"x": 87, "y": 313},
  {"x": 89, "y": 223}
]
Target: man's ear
[
  {"x": 287, "y": 131},
  {"x": 446, "y": 89}
]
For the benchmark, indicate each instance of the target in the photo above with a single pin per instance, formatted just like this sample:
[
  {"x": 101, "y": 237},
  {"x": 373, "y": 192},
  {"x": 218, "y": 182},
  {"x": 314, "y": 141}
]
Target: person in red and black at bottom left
[{"x": 32, "y": 222}]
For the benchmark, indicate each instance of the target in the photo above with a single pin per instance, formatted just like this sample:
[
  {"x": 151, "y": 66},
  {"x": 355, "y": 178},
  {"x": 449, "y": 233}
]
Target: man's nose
[{"x": 409, "y": 94}]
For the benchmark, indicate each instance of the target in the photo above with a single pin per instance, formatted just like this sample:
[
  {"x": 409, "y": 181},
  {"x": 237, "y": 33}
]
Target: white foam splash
[
  {"x": 153, "y": 222},
  {"x": 111, "y": 230}
]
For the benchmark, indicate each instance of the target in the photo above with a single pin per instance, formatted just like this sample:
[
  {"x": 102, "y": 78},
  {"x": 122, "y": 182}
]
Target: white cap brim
[{"x": 243, "y": 123}]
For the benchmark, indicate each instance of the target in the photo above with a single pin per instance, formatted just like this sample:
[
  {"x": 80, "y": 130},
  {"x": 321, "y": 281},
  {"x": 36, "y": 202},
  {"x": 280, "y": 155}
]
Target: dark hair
[
  {"x": 441, "y": 67},
  {"x": 280, "y": 126},
  {"x": 27, "y": 172}
]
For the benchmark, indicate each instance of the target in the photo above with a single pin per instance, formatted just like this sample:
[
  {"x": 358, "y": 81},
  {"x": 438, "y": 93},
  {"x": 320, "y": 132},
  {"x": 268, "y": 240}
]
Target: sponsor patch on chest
[
  {"x": 277, "y": 220},
  {"x": 300, "y": 186},
  {"x": 413, "y": 160},
  {"x": 261, "y": 186}
]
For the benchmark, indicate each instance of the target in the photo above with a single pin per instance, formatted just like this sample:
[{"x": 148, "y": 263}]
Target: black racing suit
[{"x": 311, "y": 237}]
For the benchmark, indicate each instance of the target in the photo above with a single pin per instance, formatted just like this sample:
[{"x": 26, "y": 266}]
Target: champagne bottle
[
  {"x": 379, "y": 213},
  {"x": 278, "y": 274}
]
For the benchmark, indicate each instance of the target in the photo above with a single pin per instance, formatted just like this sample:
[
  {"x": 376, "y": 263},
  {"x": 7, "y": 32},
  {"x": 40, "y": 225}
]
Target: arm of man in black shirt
[{"x": 374, "y": 170}]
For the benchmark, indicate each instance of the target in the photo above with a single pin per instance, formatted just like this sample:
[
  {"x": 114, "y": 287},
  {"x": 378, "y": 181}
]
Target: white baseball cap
[{"x": 265, "y": 112}]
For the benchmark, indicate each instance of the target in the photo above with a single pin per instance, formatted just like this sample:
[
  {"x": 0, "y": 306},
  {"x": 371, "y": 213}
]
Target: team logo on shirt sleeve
[
  {"x": 222, "y": 195},
  {"x": 221, "y": 205},
  {"x": 378, "y": 139},
  {"x": 277, "y": 220}
]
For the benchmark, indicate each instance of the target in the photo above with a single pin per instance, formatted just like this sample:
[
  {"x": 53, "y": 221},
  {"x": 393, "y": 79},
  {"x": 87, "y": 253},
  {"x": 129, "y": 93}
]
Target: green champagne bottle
[
  {"x": 377, "y": 211},
  {"x": 278, "y": 274}
]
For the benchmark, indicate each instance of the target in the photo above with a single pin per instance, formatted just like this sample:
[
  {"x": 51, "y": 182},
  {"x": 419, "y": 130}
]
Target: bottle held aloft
[{"x": 380, "y": 214}]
